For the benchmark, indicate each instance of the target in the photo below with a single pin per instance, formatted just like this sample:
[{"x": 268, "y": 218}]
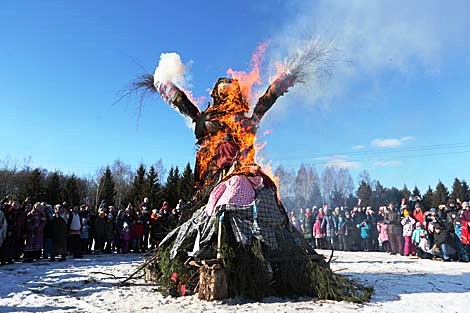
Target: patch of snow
[{"x": 91, "y": 285}]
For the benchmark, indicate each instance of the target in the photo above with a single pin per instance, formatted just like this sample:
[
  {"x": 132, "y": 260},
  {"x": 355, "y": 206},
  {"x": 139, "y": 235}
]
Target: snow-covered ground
[{"x": 401, "y": 285}]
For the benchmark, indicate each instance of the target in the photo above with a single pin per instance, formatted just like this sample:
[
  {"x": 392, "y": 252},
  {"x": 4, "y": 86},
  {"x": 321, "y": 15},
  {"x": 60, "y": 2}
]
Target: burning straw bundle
[{"x": 236, "y": 219}]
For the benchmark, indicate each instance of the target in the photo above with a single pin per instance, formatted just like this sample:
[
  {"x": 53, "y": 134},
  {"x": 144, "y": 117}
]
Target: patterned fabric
[
  {"x": 199, "y": 223},
  {"x": 269, "y": 218},
  {"x": 238, "y": 190}
]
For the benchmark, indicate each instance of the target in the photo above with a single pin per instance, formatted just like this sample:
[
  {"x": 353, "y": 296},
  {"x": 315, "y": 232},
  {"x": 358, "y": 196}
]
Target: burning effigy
[{"x": 236, "y": 238}]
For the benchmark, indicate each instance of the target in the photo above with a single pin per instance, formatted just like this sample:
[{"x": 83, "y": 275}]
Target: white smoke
[
  {"x": 400, "y": 37},
  {"x": 171, "y": 69}
]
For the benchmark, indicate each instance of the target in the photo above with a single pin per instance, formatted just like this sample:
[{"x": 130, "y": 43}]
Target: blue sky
[{"x": 396, "y": 104}]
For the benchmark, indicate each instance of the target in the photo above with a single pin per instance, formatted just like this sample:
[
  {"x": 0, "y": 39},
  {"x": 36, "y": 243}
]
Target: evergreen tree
[
  {"x": 428, "y": 198},
  {"x": 465, "y": 192},
  {"x": 440, "y": 195},
  {"x": 106, "y": 190},
  {"x": 186, "y": 184},
  {"x": 405, "y": 193},
  {"x": 35, "y": 185},
  {"x": 315, "y": 197},
  {"x": 138, "y": 188},
  {"x": 393, "y": 195},
  {"x": 380, "y": 193},
  {"x": 364, "y": 192},
  {"x": 337, "y": 199},
  {"x": 458, "y": 191},
  {"x": 351, "y": 201},
  {"x": 71, "y": 193},
  {"x": 153, "y": 188},
  {"x": 171, "y": 191},
  {"x": 54, "y": 191}
]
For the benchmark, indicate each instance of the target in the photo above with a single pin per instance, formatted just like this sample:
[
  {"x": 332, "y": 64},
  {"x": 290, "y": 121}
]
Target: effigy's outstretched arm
[
  {"x": 277, "y": 88},
  {"x": 176, "y": 97}
]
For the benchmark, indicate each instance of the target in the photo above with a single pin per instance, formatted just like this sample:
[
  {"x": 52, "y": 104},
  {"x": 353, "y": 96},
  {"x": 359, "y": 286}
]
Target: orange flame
[
  {"x": 231, "y": 113},
  {"x": 247, "y": 80}
]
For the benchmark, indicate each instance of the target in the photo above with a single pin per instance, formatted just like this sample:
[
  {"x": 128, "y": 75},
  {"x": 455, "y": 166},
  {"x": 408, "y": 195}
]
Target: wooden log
[{"x": 212, "y": 282}]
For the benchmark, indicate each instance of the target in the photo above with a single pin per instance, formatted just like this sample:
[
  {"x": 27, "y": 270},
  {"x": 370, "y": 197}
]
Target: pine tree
[
  {"x": 107, "y": 190},
  {"x": 54, "y": 191},
  {"x": 457, "y": 190},
  {"x": 71, "y": 194},
  {"x": 137, "y": 192},
  {"x": 405, "y": 193},
  {"x": 379, "y": 194},
  {"x": 315, "y": 197},
  {"x": 465, "y": 192},
  {"x": 171, "y": 191},
  {"x": 153, "y": 188},
  {"x": 186, "y": 184},
  {"x": 364, "y": 192},
  {"x": 428, "y": 198},
  {"x": 35, "y": 185},
  {"x": 440, "y": 195}
]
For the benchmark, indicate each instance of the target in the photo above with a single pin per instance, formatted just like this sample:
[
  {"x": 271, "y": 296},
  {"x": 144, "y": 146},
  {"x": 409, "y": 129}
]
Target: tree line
[
  {"x": 117, "y": 184},
  {"x": 304, "y": 187}
]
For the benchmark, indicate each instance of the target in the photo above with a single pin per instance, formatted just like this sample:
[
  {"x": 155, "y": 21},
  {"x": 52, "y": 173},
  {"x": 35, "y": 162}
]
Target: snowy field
[{"x": 401, "y": 285}]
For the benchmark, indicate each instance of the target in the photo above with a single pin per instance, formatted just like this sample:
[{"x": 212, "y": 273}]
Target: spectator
[
  {"x": 465, "y": 231},
  {"x": 329, "y": 226},
  {"x": 392, "y": 218},
  {"x": 48, "y": 234},
  {"x": 307, "y": 225},
  {"x": 74, "y": 225},
  {"x": 443, "y": 242},
  {"x": 318, "y": 234},
  {"x": 59, "y": 234},
  {"x": 365, "y": 235},
  {"x": 3, "y": 233},
  {"x": 408, "y": 225},
  {"x": 383, "y": 236},
  {"x": 13, "y": 245}
]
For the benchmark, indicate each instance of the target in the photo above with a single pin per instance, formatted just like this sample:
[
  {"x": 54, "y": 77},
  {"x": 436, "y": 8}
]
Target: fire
[
  {"x": 230, "y": 110},
  {"x": 247, "y": 80}
]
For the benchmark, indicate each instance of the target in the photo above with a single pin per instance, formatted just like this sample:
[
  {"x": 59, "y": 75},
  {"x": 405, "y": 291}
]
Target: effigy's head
[{"x": 227, "y": 91}]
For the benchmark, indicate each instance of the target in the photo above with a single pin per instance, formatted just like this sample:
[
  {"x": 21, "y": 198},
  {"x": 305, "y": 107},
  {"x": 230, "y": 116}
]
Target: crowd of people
[
  {"x": 31, "y": 231},
  {"x": 410, "y": 229}
]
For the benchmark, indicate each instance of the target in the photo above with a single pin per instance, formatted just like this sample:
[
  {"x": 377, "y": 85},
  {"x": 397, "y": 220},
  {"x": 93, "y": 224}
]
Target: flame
[
  {"x": 247, "y": 80},
  {"x": 231, "y": 111}
]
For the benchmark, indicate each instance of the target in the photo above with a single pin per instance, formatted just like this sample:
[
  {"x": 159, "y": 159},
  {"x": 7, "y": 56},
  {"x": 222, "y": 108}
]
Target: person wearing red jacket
[{"x": 138, "y": 232}]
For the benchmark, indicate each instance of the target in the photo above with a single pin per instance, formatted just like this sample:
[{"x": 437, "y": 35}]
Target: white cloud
[
  {"x": 388, "y": 163},
  {"x": 390, "y": 142},
  {"x": 341, "y": 161},
  {"x": 358, "y": 147}
]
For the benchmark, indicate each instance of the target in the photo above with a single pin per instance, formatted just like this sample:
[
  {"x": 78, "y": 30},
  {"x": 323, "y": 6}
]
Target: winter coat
[
  {"x": 418, "y": 216},
  {"x": 3, "y": 228},
  {"x": 35, "y": 223},
  {"x": 126, "y": 235},
  {"x": 392, "y": 218},
  {"x": 317, "y": 230},
  {"x": 59, "y": 235},
  {"x": 307, "y": 225},
  {"x": 365, "y": 230},
  {"x": 465, "y": 238},
  {"x": 443, "y": 237},
  {"x": 416, "y": 237},
  {"x": 382, "y": 229},
  {"x": 109, "y": 230},
  {"x": 408, "y": 225},
  {"x": 100, "y": 228},
  {"x": 138, "y": 230},
  {"x": 329, "y": 225}
]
